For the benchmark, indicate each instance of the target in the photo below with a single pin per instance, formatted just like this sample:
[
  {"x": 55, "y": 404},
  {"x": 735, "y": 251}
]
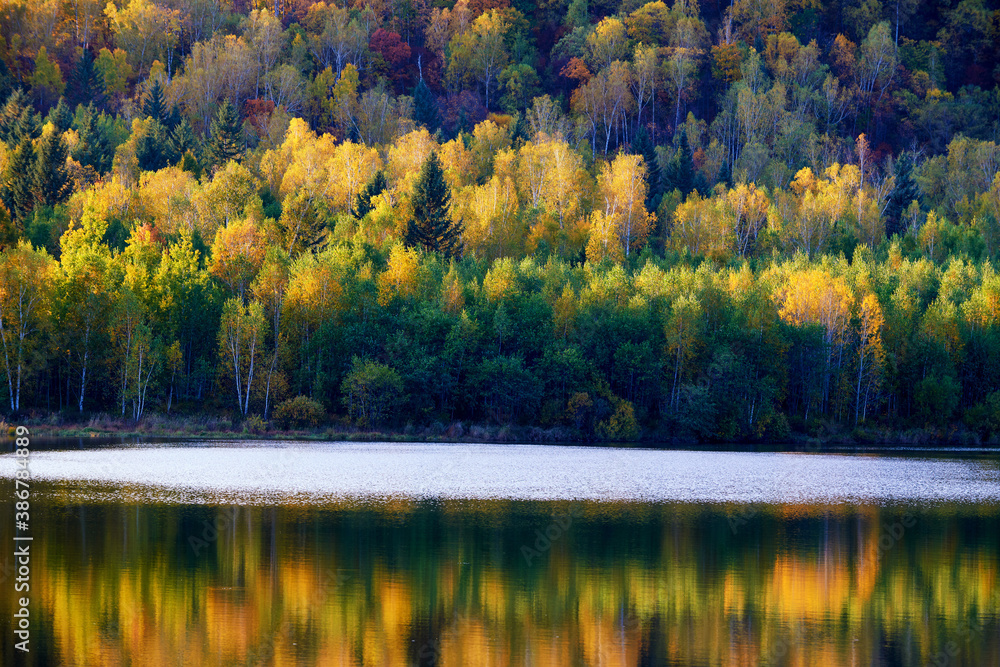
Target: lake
[{"x": 284, "y": 553}]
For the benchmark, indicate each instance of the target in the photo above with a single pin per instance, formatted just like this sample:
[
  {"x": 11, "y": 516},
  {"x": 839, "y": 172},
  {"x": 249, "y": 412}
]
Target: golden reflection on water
[{"x": 407, "y": 583}]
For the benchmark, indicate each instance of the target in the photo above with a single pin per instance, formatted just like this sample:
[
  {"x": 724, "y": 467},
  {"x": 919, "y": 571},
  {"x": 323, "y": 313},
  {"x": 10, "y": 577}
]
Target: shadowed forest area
[{"x": 595, "y": 220}]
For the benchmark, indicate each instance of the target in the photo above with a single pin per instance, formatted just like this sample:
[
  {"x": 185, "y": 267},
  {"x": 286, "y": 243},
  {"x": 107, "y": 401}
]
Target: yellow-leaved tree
[
  {"x": 399, "y": 280},
  {"x": 552, "y": 179},
  {"x": 622, "y": 191},
  {"x": 871, "y": 355},
  {"x": 25, "y": 286},
  {"x": 241, "y": 337},
  {"x": 491, "y": 212},
  {"x": 816, "y": 297},
  {"x": 237, "y": 254}
]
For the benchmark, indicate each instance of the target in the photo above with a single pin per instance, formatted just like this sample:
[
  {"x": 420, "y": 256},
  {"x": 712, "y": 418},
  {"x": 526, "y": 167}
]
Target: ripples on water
[{"x": 452, "y": 557}]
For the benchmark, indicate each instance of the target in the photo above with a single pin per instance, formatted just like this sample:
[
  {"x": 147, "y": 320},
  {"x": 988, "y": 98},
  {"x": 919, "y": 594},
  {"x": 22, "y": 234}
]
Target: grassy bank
[{"x": 210, "y": 426}]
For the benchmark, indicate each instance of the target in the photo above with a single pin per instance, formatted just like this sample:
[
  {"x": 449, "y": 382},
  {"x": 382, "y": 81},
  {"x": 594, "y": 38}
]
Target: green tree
[
  {"x": 47, "y": 83},
  {"x": 644, "y": 147},
  {"x": 18, "y": 182},
  {"x": 152, "y": 149},
  {"x": 182, "y": 139},
  {"x": 85, "y": 84},
  {"x": 60, "y": 116},
  {"x": 425, "y": 107},
  {"x": 371, "y": 391},
  {"x": 431, "y": 226},
  {"x": 92, "y": 148},
  {"x": 52, "y": 183},
  {"x": 155, "y": 104},
  {"x": 904, "y": 191},
  {"x": 241, "y": 342},
  {"x": 25, "y": 285},
  {"x": 16, "y": 104},
  {"x": 225, "y": 141},
  {"x": 26, "y": 126},
  {"x": 679, "y": 172},
  {"x": 363, "y": 204}
]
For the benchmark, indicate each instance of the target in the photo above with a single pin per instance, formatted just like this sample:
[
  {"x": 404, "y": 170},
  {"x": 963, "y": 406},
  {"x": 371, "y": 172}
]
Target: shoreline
[{"x": 207, "y": 427}]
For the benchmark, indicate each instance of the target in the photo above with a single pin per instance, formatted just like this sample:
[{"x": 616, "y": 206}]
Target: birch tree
[
  {"x": 25, "y": 279},
  {"x": 241, "y": 333}
]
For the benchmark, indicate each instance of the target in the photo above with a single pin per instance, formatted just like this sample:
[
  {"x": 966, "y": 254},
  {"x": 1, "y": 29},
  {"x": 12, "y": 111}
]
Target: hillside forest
[{"x": 595, "y": 219}]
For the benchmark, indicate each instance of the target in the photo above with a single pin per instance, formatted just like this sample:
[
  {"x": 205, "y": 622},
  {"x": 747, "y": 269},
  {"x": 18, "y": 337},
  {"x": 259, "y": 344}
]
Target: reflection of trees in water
[{"x": 445, "y": 583}]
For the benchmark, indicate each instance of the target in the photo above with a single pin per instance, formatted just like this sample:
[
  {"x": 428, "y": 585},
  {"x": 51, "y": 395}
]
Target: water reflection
[{"x": 512, "y": 583}]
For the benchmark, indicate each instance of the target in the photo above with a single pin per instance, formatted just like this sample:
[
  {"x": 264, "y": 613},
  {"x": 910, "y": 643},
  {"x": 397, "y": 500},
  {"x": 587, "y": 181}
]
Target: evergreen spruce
[
  {"x": 904, "y": 192},
  {"x": 679, "y": 173},
  {"x": 152, "y": 149},
  {"x": 644, "y": 146},
  {"x": 431, "y": 226},
  {"x": 182, "y": 140},
  {"x": 6, "y": 82},
  {"x": 18, "y": 183},
  {"x": 173, "y": 118},
  {"x": 363, "y": 204},
  {"x": 225, "y": 142},
  {"x": 522, "y": 130},
  {"x": 425, "y": 107},
  {"x": 61, "y": 116},
  {"x": 92, "y": 147},
  {"x": 10, "y": 115},
  {"x": 27, "y": 126},
  {"x": 84, "y": 85},
  {"x": 52, "y": 183},
  {"x": 155, "y": 105},
  {"x": 726, "y": 175},
  {"x": 190, "y": 164}
]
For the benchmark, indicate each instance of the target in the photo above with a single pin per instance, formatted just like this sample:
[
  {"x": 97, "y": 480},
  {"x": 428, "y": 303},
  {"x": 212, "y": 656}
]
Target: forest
[{"x": 722, "y": 221}]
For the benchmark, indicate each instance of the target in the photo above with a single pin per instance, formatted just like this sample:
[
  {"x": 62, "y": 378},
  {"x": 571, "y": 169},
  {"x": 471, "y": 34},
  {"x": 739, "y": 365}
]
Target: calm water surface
[{"x": 239, "y": 572}]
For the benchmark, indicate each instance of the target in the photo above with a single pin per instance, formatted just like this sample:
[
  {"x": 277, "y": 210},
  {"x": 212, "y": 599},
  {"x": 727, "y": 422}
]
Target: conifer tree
[
  {"x": 726, "y": 175},
  {"x": 173, "y": 118},
  {"x": 904, "y": 191},
  {"x": 431, "y": 226},
  {"x": 15, "y": 105},
  {"x": 61, "y": 116},
  {"x": 182, "y": 139},
  {"x": 425, "y": 107},
  {"x": 679, "y": 173},
  {"x": 18, "y": 181},
  {"x": 225, "y": 141},
  {"x": 27, "y": 126},
  {"x": 92, "y": 147},
  {"x": 6, "y": 81},
  {"x": 51, "y": 178},
  {"x": 155, "y": 105},
  {"x": 363, "y": 203},
  {"x": 190, "y": 164},
  {"x": 644, "y": 146},
  {"x": 152, "y": 149},
  {"x": 85, "y": 85}
]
